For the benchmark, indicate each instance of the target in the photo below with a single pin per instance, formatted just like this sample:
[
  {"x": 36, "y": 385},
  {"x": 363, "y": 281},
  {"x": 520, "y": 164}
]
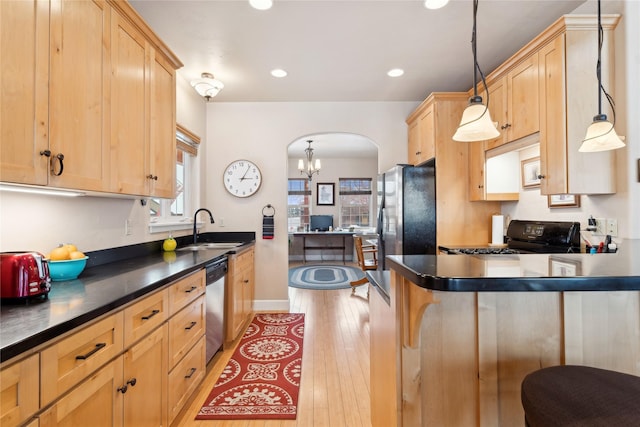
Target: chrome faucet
[{"x": 195, "y": 224}]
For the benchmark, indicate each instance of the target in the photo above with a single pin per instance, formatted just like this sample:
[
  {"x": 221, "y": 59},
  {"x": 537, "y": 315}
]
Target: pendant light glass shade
[
  {"x": 601, "y": 136},
  {"x": 476, "y": 124}
]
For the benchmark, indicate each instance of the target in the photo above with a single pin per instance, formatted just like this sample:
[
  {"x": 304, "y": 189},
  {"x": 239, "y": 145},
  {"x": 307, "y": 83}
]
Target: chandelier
[{"x": 310, "y": 168}]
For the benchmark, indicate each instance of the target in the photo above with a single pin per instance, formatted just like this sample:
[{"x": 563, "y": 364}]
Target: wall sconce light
[
  {"x": 476, "y": 123},
  {"x": 207, "y": 86},
  {"x": 601, "y": 136}
]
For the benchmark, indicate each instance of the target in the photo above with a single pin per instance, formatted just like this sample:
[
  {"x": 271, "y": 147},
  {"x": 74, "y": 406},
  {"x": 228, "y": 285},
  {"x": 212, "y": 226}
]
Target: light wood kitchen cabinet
[
  {"x": 568, "y": 88},
  {"x": 72, "y": 359},
  {"x": 185, "y": 378},
  {"x": 95, "y": 402},
  {"x": 78, "y": 94},
  {"x": 56, "y": 133},
  {"x": 477, "y": 171},
  {"x": 458, "y": 220},
  {"x": 105, "y": 123},
  {"x": 144, "y": 316},
  {"x": 413, "y": 147},
  {"x": 240, "y": 291},
  {"x": 523, "y": 104},
  {"x": 424, "y": 142},
  {"x": 24, "y": 75},
  {"x": 185, "y": 329},
  {"x": 19, "y": 384},
  {"x": 129, "y": 391},
  {"x": 498, "y": 109},
  {"x": 142, "y": 113}
]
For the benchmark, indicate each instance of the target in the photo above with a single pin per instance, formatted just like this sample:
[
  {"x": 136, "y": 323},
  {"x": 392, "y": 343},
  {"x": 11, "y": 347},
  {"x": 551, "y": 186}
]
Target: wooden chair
[{"x": 367, "y": 260}]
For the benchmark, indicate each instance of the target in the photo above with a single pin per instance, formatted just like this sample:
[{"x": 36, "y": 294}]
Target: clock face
[{"x": 242, "y": 178}]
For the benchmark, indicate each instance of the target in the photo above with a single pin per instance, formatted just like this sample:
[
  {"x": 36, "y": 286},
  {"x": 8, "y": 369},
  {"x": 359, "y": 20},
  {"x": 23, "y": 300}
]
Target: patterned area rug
[
  {"x": 323, "y": 276},
  {"x": 262, "y": 378}
]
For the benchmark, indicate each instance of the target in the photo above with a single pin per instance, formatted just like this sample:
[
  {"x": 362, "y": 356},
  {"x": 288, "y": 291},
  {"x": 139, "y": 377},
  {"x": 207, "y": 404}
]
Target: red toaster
[{"x": 23, "y": 274}]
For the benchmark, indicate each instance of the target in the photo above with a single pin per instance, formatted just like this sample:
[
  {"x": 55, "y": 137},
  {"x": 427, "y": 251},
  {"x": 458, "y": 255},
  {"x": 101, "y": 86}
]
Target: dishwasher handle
[{"x": 216, "y": 270}]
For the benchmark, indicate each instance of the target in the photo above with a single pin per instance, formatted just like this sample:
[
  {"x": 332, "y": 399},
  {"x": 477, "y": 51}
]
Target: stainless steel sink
[{"x": 215, "y": 245}]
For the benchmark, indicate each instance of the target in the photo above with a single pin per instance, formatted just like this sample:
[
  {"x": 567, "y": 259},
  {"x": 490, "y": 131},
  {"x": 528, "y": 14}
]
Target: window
[
  {"x": 355, "y": 202},
  {"x": 298, "y": 204},
  {"x": 168, "y": 214}
]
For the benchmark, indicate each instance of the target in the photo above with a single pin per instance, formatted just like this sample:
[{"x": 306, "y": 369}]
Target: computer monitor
[{"x": 321, "y": 222}]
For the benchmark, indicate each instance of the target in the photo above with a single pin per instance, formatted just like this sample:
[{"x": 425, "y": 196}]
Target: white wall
[{"x": 261, "y": 132}]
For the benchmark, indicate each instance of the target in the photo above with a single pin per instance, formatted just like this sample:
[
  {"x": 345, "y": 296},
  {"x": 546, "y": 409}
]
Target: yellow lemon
[
  {"x": 76, "y": 255},
  {"x": 59, "y": 254},
  {"x": 169, "y": 244},
  {"x": 70, "y": 247}
]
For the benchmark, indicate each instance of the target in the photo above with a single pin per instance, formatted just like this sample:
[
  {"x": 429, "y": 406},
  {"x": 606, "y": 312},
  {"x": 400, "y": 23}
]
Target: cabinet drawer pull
[
  {"x": 191, "y": 325},
  {"x": 153, "y": 313},
  {"x": 191, "y": 372},
  {"x": 191, "y": 289},
  {"x": 95, "y": 349}
]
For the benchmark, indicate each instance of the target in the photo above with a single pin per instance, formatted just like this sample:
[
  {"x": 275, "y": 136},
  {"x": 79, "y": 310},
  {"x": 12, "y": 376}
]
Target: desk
[{"x": 326, "y": 237}]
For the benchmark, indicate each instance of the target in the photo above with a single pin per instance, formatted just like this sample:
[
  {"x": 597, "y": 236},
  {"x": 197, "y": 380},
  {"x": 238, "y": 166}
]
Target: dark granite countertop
[
  {"x": 98, "y": 290},
  {"x": 618, "y": 271}
]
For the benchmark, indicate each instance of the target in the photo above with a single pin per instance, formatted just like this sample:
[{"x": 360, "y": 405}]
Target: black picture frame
[{"x": 325, "y": 194}]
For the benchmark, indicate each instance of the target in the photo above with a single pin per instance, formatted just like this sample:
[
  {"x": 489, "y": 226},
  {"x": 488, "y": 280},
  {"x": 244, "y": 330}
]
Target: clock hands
[{"x": 245, "y": 174}]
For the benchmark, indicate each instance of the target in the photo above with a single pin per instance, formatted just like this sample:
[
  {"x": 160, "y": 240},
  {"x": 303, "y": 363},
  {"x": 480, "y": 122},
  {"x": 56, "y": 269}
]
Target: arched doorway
[{"x": 347, "y": 159}]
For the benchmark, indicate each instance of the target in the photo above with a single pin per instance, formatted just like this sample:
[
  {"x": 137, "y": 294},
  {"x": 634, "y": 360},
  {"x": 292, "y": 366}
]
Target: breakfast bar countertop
[{"x": 524, "y": 272}]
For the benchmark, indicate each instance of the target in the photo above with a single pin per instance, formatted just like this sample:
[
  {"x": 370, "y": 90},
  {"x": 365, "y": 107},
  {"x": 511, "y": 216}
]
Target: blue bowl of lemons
[{"x": 67, "y": 269}]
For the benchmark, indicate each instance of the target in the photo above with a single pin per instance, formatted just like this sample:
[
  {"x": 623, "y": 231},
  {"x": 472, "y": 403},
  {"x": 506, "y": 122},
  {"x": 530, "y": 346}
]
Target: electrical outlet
[
  {"x": 601, "y": 226},
  {"x": 612, "y": 227},
  {"x": 221, "y": 222},
  {"x": 127, "y": 227}
]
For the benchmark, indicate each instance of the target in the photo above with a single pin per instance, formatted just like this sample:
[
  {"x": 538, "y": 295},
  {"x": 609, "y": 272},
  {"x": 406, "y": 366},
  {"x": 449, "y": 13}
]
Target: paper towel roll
[{"x": 497, "y": 229}]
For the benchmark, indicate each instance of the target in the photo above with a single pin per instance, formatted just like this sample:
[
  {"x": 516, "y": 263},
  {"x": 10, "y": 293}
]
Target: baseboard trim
[{"x": 271, "y": 305}]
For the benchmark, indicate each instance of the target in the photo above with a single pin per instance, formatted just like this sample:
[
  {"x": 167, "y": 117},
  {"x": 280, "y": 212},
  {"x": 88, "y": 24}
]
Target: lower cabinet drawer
[
  {"x": 186, "y": 377},
  {"x": 144, "y": 316},
  {"x": 19, "y": 391},
  {"x": 71, "y": 360},
  {"x": 185, "y": 328}
]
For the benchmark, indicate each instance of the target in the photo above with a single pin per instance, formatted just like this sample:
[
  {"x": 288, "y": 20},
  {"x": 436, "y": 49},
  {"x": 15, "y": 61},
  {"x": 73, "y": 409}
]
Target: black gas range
[{"x": 530, "y": 237}]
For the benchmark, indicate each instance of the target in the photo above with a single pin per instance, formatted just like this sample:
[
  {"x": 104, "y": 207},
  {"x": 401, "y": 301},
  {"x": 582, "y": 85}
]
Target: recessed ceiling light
[
  {"x": 261, "y": 4},
  {"x": 395, "y": 72},
  {"x": 435, "y": 4},
  {"x": 278, "y": 72}
]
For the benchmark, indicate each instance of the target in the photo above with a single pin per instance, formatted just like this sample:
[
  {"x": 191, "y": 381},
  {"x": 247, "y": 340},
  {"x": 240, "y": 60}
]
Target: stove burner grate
[{"x": 484, "y": 251}]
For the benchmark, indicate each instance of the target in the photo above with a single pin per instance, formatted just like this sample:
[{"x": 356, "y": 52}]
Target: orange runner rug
[{"x": 262, "y": 378}]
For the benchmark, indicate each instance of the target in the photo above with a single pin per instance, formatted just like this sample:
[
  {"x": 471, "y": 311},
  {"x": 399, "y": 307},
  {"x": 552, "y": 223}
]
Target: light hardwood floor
[{"x": 334, "y": 389}]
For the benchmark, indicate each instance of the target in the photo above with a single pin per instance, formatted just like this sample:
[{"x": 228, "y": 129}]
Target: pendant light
[
  {"x": 601, "y": 136},
  {"x": 476, "y": 124},
  {"x": 310, "y": 168}
]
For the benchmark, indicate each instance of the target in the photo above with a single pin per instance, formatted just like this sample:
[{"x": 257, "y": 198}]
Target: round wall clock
[{"x": 242, "y": 178}]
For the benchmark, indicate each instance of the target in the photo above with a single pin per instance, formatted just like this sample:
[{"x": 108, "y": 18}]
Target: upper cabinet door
[
  {"x": 162, "y": 153},
  {"x": 498, "y": 109},
  {"x": 523, "y": 99},
  {"x": 78, "y": 90},
  {"x": 129, "y": 107},
  {"x": 24, "y": 100}
]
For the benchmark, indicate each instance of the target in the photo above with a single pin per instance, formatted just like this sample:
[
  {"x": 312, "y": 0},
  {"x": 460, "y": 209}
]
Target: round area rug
[{"x": 323, "y": 277}]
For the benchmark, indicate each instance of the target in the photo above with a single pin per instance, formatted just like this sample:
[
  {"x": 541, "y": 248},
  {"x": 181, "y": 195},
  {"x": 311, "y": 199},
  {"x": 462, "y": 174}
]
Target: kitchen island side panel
[{"x": 477, "y": 347}]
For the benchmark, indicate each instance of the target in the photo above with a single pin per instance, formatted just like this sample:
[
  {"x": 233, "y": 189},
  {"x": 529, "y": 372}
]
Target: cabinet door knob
[
  {"x": 541, "y": 176},
  {"x": 122, "y": 389},
  {"x": 132, "y": 382},
  {"x": 505, "y": 126}
]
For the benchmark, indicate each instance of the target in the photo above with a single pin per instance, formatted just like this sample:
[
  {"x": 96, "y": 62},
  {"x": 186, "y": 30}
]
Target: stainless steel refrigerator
[{"x": 406, "y": 211}]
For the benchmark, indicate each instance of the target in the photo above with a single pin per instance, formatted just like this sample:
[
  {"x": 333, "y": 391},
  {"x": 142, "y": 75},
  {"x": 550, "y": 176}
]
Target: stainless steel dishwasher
[{"x": 216, "y": 272}]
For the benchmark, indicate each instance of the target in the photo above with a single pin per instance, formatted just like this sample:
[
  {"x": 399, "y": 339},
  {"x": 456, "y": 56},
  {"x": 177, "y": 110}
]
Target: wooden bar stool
[{"x": 580, "y": 396}]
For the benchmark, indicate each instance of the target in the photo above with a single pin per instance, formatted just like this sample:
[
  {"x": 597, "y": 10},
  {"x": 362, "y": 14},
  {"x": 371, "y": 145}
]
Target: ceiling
[{"x": 340, "y": 51}]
